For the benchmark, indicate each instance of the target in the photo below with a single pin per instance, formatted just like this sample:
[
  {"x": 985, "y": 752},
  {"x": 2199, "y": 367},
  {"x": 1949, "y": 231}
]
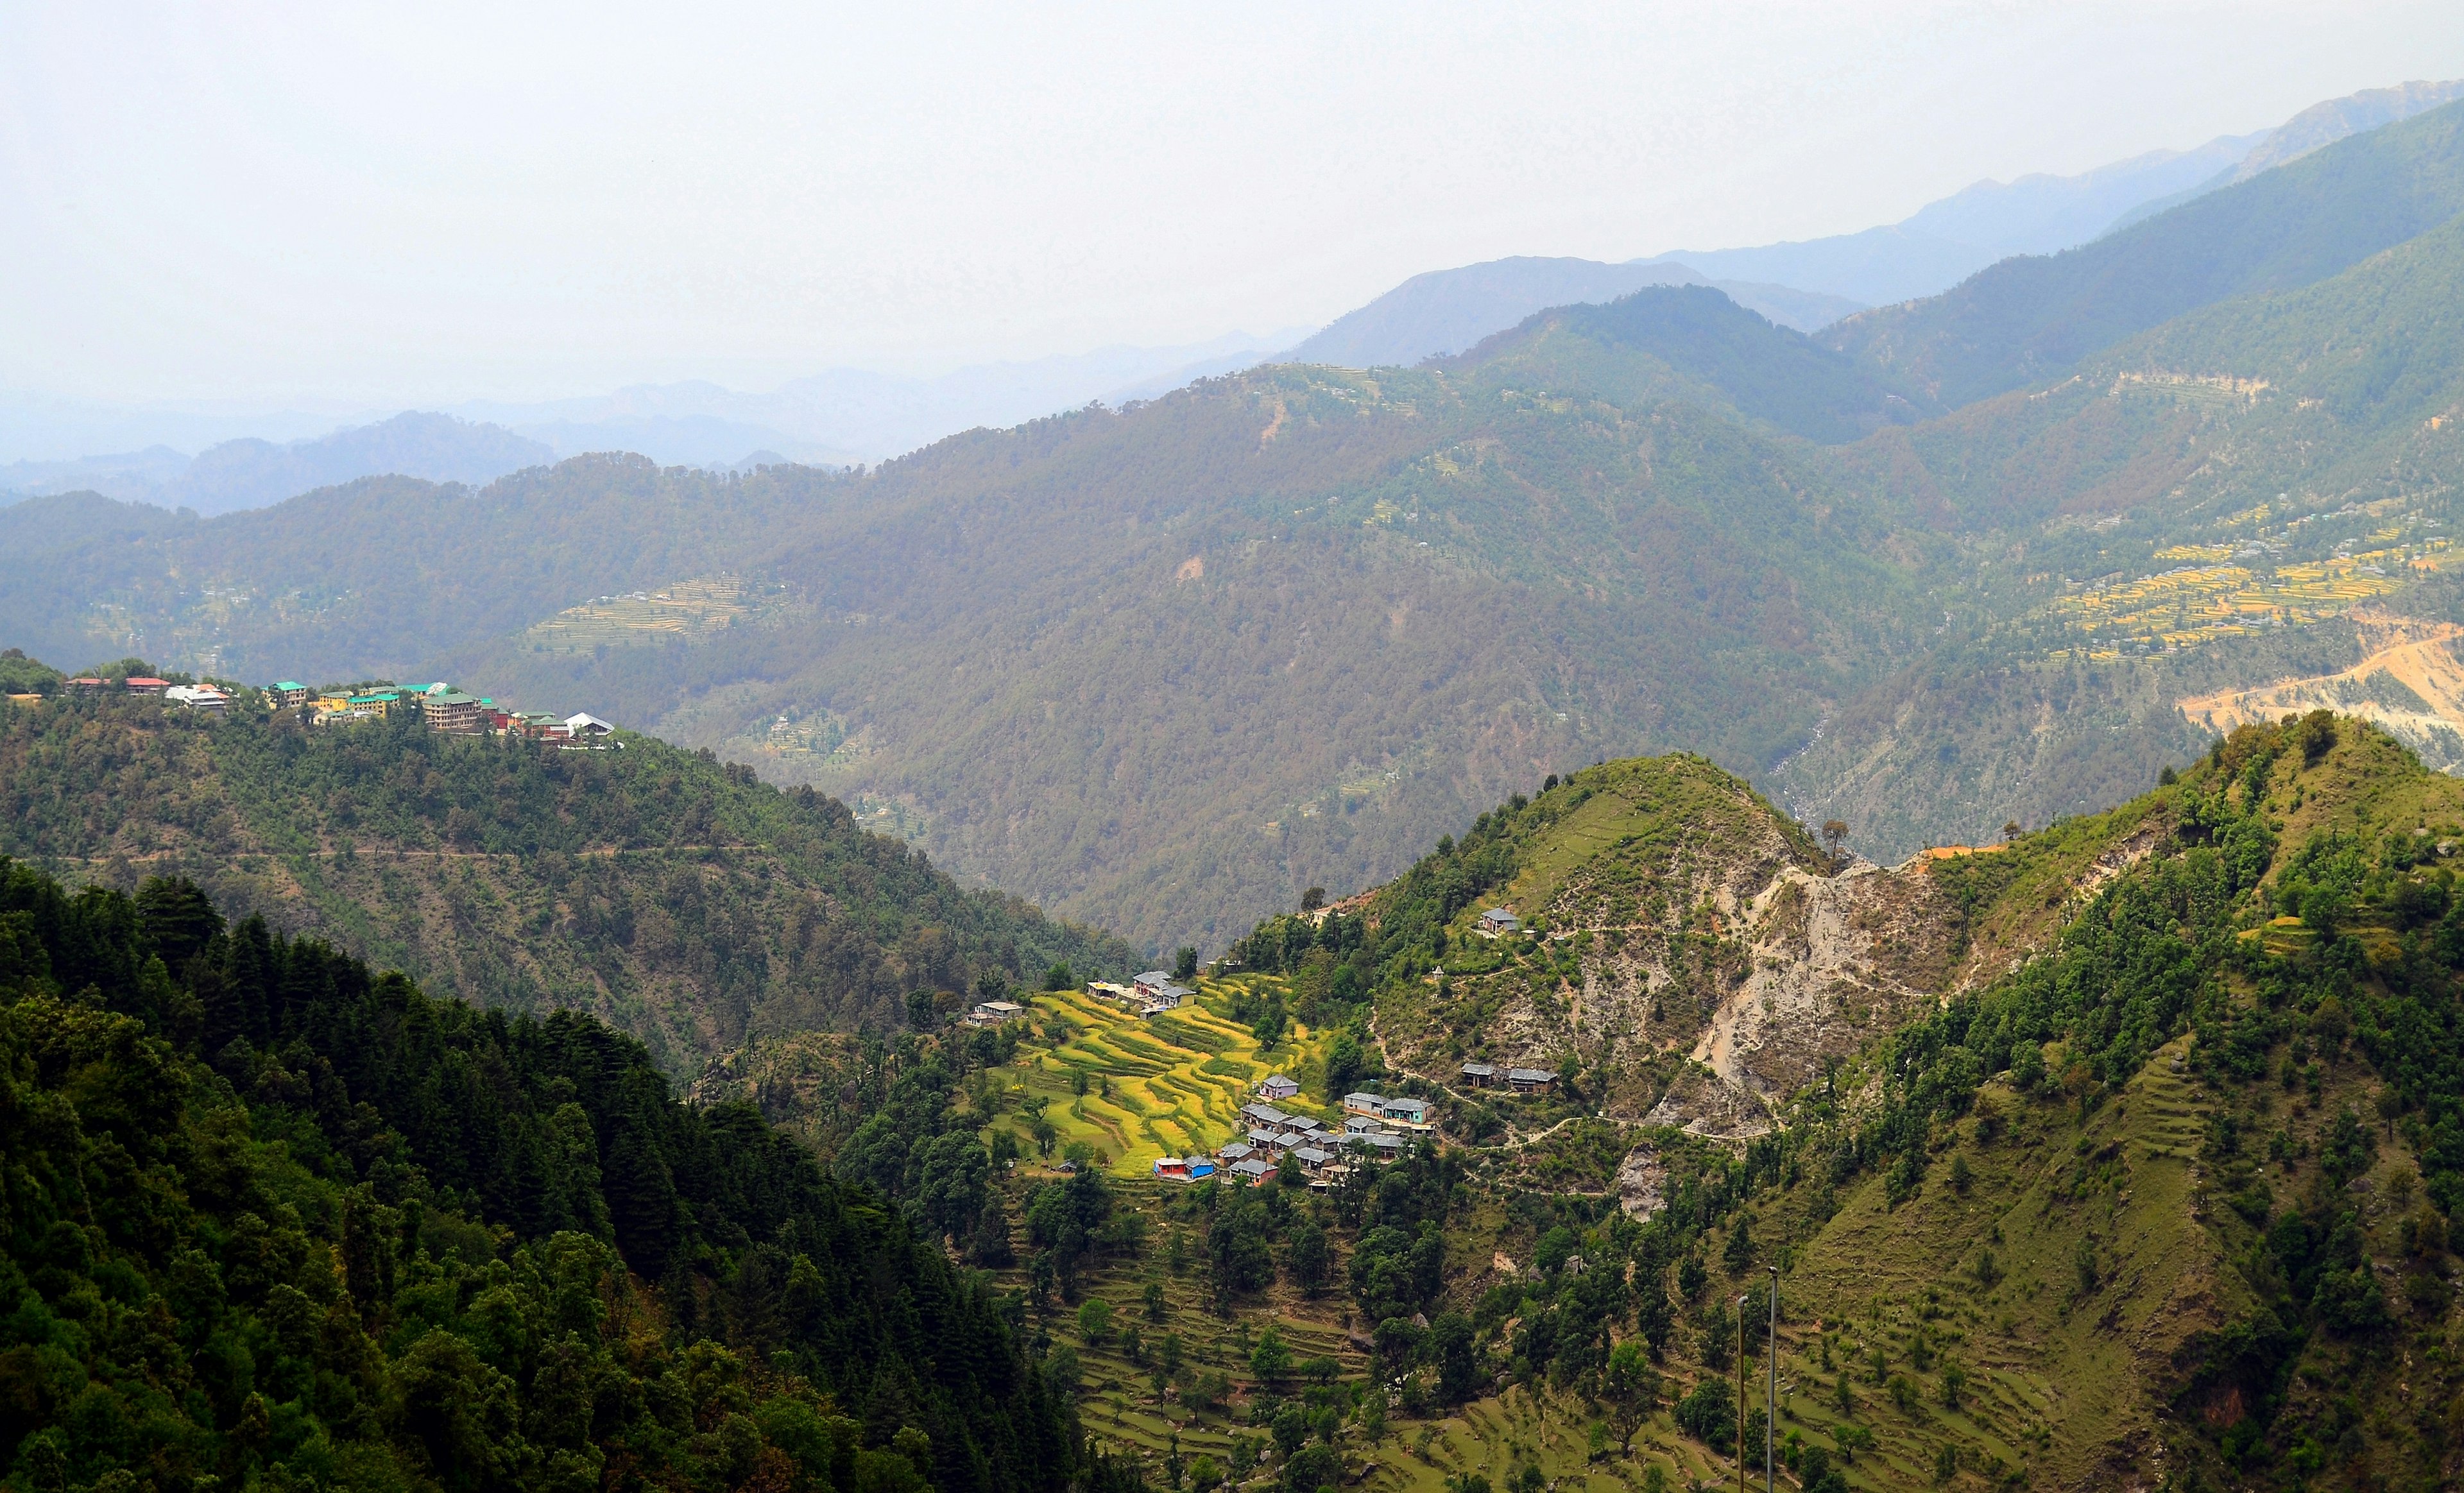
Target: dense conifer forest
[{"x": 275, "y": 1220}]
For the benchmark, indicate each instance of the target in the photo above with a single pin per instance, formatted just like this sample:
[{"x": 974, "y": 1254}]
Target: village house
[
  {"x": 1479, "y": 1075},
  {"x": 1236, "y": 1151},
  {"x": 371, "y": 706},
  {"x": 1264, "y": 1114},
  {"x": 1268, "y": 1140},
  {"x": 1278, "y": 1085},
  {"x": 1184, "y": 1169},
  {"x": 286, "y": 694},
  {"x": 1253, "y": 1170},
  {"x": 198, "y": 697},
  {"x": 993, "y": 1013},
  {"x": 1362, "y": 1124},
  {"x": 1405, "y": 1112},
  {"x": 1530, "y": 1081},
  {"x": 1368, "y": 1104},
  {"x": 1313, "y": 1160},
  {"x": 450, "y": 711},
  {"x": 1498, "y": 920},
  {"x": 136, "y": 684}
]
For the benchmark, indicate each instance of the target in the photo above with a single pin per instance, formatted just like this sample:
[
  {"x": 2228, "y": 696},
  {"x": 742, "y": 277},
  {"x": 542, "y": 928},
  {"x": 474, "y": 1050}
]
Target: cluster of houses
[
  {"x": 1375, "y": 1128},
  {"x": 193, "y": 696},
  {"x": 1150, "y": 994},
  {"x": 441, "y": 707}
]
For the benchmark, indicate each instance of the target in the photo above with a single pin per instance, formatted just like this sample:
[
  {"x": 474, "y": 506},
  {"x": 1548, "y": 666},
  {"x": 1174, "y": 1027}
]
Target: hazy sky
[{"x": 432, "y": 201}]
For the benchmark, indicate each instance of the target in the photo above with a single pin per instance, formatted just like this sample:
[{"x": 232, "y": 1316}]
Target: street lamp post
[
  {"x": 1770, "y": 1419},
  {"x": 1742, "y": 1302}
]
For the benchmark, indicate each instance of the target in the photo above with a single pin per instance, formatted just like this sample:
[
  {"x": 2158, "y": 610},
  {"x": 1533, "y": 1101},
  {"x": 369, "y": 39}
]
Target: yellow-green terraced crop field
[{"x": 1167, "y": 1086}]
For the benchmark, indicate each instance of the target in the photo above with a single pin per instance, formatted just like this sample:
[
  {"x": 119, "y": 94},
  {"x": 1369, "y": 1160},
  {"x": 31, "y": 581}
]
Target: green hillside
[
  {"x": 276, "y": 1221},
  {"x": 672, "y": 896},
  {"x": 2158, "y": 1183},
  {"x": 2028, "y": 320}
]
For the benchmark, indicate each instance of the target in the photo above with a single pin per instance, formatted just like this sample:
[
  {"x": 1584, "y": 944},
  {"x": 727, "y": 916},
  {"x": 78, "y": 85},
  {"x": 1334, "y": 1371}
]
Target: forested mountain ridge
[
  {"x": 672, "y": 896},
  {"x": 2027, "y": 320},
  {"x": 278, "y": 1221},
  {"x": 1694, "y": 344},
  {"x": 2191, "y": 513}
]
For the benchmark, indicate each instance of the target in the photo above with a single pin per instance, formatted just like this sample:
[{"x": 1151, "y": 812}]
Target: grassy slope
[
  {"x": 1664, "y": 813},
  {"x": 2040, "y": 1363}
]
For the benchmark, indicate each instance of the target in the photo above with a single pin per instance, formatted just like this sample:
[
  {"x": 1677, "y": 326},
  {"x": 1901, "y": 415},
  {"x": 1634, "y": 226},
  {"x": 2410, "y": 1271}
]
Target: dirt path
[{"x": 604, "y": 852}]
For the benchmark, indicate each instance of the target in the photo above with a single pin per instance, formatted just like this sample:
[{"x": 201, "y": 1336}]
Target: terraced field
[
  {"x": 694, "y": 611},
  {"x": 1118, "y": 1400},
  {"x": 1166, "y": 1086}
]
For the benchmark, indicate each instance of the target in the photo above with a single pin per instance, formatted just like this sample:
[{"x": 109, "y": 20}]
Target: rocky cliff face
[{"x": 1675, "y": 914}]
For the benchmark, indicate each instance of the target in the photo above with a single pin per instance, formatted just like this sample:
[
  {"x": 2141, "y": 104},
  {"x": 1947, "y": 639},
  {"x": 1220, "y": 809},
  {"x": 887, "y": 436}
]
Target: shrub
[{"x": 1708, "y": 1413}]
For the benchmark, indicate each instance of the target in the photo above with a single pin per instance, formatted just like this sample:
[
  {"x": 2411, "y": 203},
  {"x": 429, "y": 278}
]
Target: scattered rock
[{"x": 1640, "y": 1179}]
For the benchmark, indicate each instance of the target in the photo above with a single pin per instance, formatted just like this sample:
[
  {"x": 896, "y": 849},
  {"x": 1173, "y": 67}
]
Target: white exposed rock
[{"x": 1640, "y": 1181}]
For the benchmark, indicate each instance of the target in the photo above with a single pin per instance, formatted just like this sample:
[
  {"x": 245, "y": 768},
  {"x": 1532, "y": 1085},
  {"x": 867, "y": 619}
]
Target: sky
[{"x": 341, "y": 203}]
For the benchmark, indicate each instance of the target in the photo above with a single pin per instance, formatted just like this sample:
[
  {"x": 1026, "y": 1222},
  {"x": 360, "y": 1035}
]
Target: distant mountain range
[
  {"x": 835, "y": 419},
  {"x": 251, "y": 472},
  {"x": 1446, "y": 311},
  {"x": 850, "y": 416},
  {"x": 1811, "y": 284}
]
